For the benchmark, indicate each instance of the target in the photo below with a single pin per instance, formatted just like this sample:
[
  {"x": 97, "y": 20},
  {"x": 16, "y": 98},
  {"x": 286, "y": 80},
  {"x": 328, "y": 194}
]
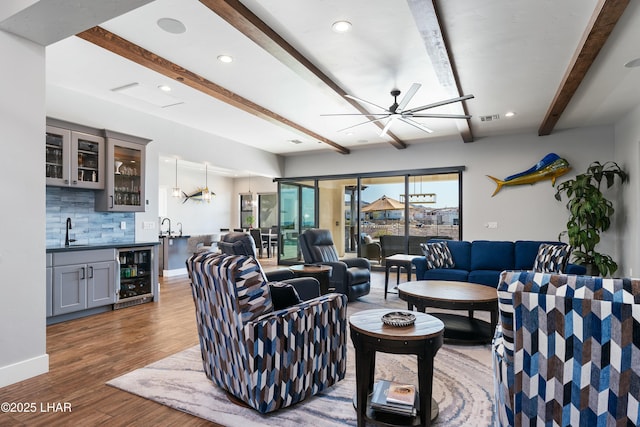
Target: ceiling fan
[{"x": 397, "y": 111}]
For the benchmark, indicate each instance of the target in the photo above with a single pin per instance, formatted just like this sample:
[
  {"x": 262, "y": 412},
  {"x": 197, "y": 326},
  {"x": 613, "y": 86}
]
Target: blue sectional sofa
[{"x": 482, "y": 261}]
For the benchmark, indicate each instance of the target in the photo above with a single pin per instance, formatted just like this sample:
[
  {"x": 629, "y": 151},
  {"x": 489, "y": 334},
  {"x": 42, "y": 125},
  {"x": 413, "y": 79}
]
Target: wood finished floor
[{"x": 86, "y": 353}]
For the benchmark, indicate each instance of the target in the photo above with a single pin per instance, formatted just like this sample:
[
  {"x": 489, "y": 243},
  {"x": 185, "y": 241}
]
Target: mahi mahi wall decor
[{"x": 550, "y": 167}]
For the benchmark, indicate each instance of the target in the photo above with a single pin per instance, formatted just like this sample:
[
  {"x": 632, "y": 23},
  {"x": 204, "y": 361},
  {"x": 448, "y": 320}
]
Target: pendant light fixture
[
  {"x": 206, "y": 193},
  {"x": 176, "y": 191},
  {"x": 252, "y": 200}
]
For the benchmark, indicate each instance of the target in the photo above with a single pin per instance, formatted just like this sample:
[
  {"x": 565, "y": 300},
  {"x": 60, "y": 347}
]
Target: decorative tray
[{"x": 399, "y": 319}]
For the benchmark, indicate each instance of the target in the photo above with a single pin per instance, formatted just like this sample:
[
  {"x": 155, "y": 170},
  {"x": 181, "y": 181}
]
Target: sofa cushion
[
  {"x": 446, "y": 274},
  {"x": 437, "y": 255},
  {"x": 525, "y": 253},
  {"x": 460, "y": 252},
  {"x": 491, "y": 255},
  {"x": 552, "y": 258},
  {"x": 485, "y": 277}
]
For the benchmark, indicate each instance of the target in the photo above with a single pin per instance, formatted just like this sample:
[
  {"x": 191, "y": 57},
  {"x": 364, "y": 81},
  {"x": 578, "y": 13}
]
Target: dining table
[{"x": 271, "y": 240}]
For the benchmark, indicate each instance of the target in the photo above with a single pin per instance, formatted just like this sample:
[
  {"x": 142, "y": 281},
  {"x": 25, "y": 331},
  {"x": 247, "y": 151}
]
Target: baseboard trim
[{"x": 23, "y": 370}]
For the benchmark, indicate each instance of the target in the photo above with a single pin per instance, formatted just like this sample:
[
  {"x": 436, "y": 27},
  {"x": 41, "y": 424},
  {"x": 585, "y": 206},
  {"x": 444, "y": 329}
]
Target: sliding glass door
[
  {"x": 382, "y": 211},
  {"x": 425, "y": 203},
  {"x": 297, "y": 213}
]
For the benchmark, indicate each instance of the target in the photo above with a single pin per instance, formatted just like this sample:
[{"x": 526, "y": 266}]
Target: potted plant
[{"x": 590, "y": 214}]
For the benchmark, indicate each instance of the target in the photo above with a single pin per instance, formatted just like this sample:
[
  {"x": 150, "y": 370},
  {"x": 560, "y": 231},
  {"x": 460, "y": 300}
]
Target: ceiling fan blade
[
  {"x": 416, "y": 124},
  {"x": 356, "y": 114},
  {"x": 407, "y": 97},
  {"x": 364, "y": 123},
  {"x": 439, "y": 116},
  {"x": 362, "y": 101},
  {"x": 438, "y": 104},
  {"x": 388, "y": 125}
]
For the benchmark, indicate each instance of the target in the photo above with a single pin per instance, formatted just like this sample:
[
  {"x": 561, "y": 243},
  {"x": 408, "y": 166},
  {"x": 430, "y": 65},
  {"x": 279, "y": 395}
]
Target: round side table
[
  {"x": 317, "y": 271},
  {"x": 369, "y": 335}
]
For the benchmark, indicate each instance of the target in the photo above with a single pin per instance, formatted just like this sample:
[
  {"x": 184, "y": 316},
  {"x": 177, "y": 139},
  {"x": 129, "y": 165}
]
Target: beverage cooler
[{"x": 136, "y": 276}]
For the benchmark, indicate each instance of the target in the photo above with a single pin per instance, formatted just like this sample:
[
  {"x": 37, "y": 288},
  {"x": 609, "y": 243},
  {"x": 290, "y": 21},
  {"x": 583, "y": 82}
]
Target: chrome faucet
[
  {"x": 66, "y": 235},
  {"x": 180, "y": 228},
  {"x": 162, "y": 223}
]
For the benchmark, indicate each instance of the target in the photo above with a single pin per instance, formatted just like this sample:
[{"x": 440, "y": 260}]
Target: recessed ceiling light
[
  {"x": 633, "y": 63},
  {"x": 509, "y": 114},
  {"x": 225, "y": 58},
  {"x": 341, "y": 26},
  {"x": 165, "y": 88},
  {"x": 171, "y": 25}
]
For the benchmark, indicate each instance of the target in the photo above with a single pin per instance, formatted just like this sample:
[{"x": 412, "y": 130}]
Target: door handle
[
  {"x": 90, "y": 272},
  {"x": 82, "y": 276}
]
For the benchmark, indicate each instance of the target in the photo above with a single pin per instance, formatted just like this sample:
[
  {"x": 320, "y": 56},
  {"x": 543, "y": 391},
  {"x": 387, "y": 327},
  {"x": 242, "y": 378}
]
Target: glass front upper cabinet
[
  {"x": 125, "y": 183},
  {"x": 74, "y": 159}
]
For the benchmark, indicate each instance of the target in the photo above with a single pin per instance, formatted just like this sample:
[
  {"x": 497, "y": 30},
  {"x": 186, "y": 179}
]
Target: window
[
  {"x": 425, "y": 202},
  {"x": 267, "y": 210},
  {"x": 247, "y": 220}
]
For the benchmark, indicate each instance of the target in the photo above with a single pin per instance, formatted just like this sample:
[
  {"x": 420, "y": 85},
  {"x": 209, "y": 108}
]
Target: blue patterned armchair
[
  {"x": 567, "y": 350},
  {"x": 264, "y": 357}
]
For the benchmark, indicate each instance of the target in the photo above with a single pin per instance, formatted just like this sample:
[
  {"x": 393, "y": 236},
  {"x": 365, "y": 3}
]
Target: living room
[{"x": 525, "y": 212}]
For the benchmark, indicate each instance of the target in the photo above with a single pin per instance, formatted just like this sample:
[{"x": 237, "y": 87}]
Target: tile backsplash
[{"x": 88, "y": 226}]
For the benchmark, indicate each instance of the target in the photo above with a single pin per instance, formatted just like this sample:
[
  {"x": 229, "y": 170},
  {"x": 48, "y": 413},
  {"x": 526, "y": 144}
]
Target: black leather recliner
[
  {"x": 237, "y": 243},
  {"x": 350, "y": 276}
]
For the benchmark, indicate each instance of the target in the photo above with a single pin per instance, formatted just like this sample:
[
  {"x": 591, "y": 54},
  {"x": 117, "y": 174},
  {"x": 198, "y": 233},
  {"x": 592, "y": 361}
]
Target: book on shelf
[
  {"x": 404, "y": 394},
  {"x": 400, "y": 405}
]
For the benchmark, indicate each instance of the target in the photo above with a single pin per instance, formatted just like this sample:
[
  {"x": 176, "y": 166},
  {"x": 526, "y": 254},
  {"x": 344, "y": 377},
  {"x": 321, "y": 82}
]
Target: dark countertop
[
  {"x": 89, "y": 247},
  {"x": 166, "y": 236}
]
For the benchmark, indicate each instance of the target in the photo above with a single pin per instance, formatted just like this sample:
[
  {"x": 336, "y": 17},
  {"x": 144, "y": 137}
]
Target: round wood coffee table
[
  {"x": 455, "y": 296},
  {"x": 369, "y": 335}
]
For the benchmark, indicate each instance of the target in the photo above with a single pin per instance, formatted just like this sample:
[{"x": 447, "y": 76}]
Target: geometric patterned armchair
[
  {"x": 567, "y": 350},
  {"x": 266, "y": 358}
]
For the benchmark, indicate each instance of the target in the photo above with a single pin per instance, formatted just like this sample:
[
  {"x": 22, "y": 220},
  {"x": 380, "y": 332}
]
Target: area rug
[{"x": 462, "y": 386}]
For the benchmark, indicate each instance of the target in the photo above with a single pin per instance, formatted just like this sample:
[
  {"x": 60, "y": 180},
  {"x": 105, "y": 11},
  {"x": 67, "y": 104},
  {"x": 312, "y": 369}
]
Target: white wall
[
  {"x": 522, "y": 212},
  {"x": 22, "y": 247},
  {"x": 627, "y": 148},
  {"x": 197, "y": 217}
]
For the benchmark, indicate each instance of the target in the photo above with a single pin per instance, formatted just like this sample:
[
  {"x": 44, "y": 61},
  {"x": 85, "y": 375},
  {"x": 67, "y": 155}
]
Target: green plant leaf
[{"x": 590, "y": 212}]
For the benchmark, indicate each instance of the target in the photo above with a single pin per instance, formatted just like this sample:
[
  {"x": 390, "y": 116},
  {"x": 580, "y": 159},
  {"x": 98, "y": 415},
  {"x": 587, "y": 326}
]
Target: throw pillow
[
  {"x": 283, "y": 295},
  {"x": 552, "y": 258},
  {"x": 438, "y": 255}
]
